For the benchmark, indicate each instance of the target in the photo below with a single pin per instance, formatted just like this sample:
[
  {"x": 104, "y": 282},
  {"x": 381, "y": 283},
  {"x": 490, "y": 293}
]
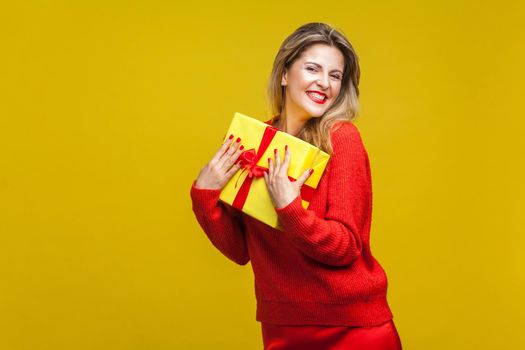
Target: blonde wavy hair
[{"x": 345, "y": 108}]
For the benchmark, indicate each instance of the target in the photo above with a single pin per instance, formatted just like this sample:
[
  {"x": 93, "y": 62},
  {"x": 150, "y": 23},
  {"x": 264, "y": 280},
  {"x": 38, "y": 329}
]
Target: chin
[{"x": 316, "y": 113}]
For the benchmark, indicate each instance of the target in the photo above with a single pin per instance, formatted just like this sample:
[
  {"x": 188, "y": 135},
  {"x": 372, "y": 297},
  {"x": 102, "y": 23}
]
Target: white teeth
[{"x": 316, "y": 96}]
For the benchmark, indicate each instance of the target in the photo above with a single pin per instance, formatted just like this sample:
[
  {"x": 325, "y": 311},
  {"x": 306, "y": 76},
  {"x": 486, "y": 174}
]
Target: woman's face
[{"x": 313, "y": 82}]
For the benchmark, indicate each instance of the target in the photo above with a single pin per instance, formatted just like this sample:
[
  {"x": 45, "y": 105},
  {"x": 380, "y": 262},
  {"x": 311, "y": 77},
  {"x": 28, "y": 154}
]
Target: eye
[
  {"x": 311, "y": 69},
  {"x": 337, "y": 77}
]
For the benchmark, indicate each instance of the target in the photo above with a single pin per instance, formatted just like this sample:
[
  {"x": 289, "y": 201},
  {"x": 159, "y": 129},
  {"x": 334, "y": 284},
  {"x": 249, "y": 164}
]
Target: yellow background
[{"x": 110, "y": 108}]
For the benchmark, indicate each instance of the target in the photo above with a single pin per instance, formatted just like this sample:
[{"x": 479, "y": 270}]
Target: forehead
[{"x": 327, "y": 56}]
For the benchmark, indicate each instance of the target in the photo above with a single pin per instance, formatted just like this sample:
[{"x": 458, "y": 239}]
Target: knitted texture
[{"x": 319, "y": 269}]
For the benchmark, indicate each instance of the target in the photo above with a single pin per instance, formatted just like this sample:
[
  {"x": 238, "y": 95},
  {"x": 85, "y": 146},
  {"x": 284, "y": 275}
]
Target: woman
[{"x": 317, "y": 284}]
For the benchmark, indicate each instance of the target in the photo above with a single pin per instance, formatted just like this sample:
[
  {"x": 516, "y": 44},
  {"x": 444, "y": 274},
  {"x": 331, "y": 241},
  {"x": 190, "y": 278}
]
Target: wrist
[
  {"x": 202, "y": 186},
  {"x": 286, "y": 202}
]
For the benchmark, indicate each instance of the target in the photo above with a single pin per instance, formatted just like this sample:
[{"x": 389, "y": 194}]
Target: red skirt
[{"x": 381, "y": 337}]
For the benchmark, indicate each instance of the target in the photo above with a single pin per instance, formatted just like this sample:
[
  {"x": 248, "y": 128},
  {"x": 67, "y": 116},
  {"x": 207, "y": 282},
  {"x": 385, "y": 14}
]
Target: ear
[{"x": 284, "y": 80}]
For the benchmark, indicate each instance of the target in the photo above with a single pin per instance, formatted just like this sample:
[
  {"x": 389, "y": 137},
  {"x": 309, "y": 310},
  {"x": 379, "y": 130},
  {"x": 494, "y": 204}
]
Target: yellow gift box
[{"x": 247, "y": 190}]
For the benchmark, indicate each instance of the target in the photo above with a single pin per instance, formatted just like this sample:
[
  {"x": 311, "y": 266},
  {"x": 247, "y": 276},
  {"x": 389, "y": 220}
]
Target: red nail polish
[
  {"x": 231, "y": 136},
  {"x": 311, "y": 171},
  {"x": 286, "y": 148},
  {"x": 275, "y": 150},
  {"x": 238, "y": 139},
  {"x": 268, "y": 160},
  {"x": 241, "y": 148}
]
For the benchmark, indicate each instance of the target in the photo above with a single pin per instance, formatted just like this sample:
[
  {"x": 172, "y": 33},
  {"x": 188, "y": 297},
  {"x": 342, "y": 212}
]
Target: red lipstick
[{"x": 316, "y": 100}]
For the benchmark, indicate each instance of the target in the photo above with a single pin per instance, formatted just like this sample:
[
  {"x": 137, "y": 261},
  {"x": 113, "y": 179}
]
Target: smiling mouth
[{"x": 317, "y": 98}]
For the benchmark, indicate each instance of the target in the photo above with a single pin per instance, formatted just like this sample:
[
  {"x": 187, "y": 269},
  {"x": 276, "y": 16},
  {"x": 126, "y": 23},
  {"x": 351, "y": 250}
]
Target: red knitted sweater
[{"x": 319, "y": 270}]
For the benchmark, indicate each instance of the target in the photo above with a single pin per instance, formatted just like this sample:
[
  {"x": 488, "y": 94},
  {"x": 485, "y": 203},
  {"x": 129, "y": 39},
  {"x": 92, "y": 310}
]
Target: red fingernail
[
  {"x": 286, "y": 148},
  {"x": 275, "y": 150},
  {"x": 238, "y": 139},
  {"x": 268, "y": 160},
  {"x": 241, "y": 148},
  {"x": 311, "y": 171},
  {"x": 231, "y": 136}
]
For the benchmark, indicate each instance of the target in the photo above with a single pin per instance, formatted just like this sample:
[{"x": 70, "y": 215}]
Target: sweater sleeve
[
  {"x": 337, "y": 238},
  {"x": 221, "y": 224}
]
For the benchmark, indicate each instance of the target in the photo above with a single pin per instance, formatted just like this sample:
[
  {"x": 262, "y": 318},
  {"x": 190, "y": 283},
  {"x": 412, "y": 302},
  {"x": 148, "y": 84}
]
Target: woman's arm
[
  {"x": 338, "y": 238},
  {"x": 222, "y": 226}
]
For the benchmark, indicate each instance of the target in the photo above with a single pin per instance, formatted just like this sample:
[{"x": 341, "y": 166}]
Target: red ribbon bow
[{"x": 248, "y": 161}]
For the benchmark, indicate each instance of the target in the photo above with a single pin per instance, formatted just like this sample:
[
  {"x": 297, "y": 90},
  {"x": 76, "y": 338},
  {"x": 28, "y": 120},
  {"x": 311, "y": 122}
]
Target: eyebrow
[{"x": 319, "y": 66}]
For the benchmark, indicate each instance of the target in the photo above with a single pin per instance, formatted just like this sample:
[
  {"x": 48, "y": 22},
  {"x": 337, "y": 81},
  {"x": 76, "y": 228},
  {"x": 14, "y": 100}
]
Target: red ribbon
[{"x": 248, "y": 161}]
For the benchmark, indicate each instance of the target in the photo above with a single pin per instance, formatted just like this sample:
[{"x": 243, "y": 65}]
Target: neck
[{"x": 293, "y": 124}]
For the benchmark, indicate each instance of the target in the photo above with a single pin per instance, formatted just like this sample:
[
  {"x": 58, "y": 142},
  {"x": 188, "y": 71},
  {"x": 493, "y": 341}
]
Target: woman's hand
[
  {"x": 282, "y": 190},
  {"x": 217, "y": 173}
]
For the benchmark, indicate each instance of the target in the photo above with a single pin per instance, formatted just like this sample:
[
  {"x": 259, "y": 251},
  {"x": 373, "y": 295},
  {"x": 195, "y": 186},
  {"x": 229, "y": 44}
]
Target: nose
[{"x": 323, "y": 81}]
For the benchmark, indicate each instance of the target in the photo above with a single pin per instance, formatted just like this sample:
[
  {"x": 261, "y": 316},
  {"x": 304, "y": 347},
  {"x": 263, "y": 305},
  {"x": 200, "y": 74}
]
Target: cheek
[
  {"x": 300, "y": 87},
  {"x": 337, "y": 91},
  {"x": 304, "y": 81}
]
